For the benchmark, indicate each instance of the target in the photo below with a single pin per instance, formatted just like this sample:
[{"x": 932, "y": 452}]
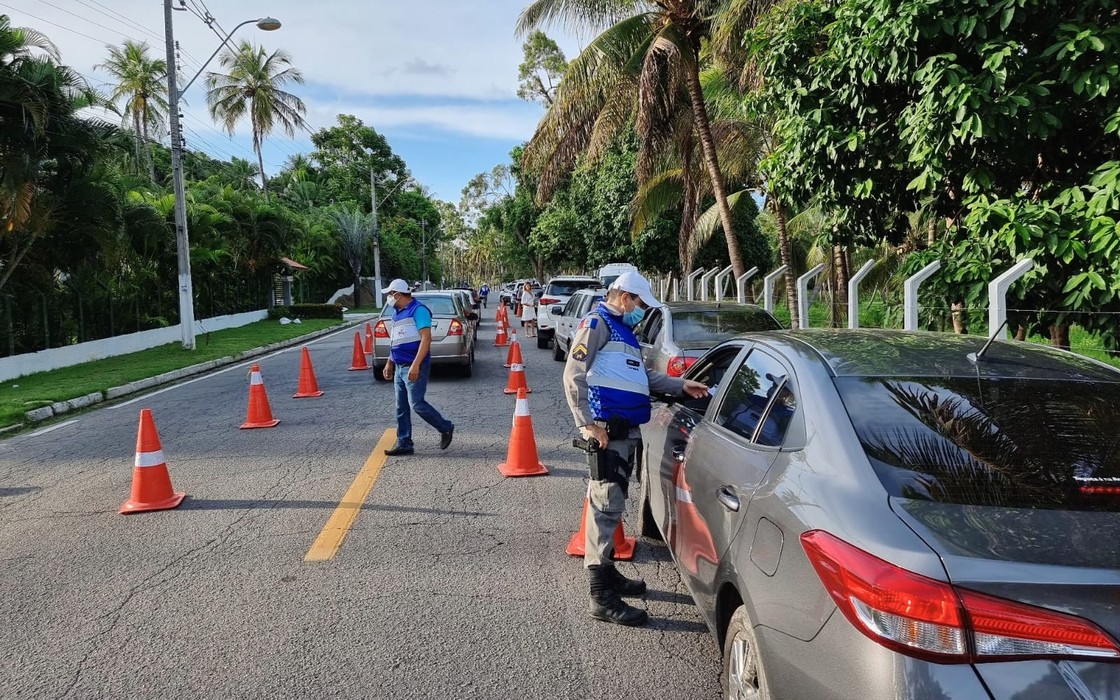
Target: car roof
[
  {"x": 710, "y": 306},
  {"x": 878, "y": 352},
  {"x": 598, "y": 291},
  {"x": 573, "y": 278}
]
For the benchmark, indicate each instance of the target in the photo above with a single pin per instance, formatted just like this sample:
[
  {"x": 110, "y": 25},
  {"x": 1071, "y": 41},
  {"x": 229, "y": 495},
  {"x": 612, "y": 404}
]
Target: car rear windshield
[
  {"x": 569, "y": 287},
  {"x": 440, "y": 306},
  {"x": 713, "y": 325},
  {"x": 1011, "y": 443}
]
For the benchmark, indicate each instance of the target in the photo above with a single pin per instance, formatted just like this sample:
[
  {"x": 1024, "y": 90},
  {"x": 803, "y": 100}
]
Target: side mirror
[
  {"x": 472, "y": 316},
  {"x": 557, "y": 310}
]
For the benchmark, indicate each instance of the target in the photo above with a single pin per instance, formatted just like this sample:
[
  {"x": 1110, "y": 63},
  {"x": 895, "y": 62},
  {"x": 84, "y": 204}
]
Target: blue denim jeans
[{"x": 412, "y": 393}]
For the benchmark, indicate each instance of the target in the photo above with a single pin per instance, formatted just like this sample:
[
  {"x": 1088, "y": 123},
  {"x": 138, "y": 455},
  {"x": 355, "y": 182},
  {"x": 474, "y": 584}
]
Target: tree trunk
[
  {"x": 704, "y": 127},
  {"x": 1059, "y": 336},
  {"x": 840, "y": 276},
  {"x": 357, "y": 289},
  {"x": 787, "y": 260},
  {"x": 1021, "y": 333},
  {"x": 688, "y": 222},
  {"x": 148, "y": 151},
  {"x": 260, "y": 164},
  {"x": 139, "y": 136},
  {"x": 957, "y": 308}
]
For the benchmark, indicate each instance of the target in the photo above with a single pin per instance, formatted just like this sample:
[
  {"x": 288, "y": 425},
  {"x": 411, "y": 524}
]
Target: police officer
[
  {"x": 409, "y": 365},
  {"x": 608, "y": 390},
  {"x": 484, "y": 292}
]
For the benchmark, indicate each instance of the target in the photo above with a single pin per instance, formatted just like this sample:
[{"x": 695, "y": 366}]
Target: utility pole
[
  {"x": 182, "y": 242},
  {"x": 376, "y": 241}
]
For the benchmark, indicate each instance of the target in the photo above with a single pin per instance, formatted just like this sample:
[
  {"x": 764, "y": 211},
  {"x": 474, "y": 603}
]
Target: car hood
[{"x": 1058, "y": 559}]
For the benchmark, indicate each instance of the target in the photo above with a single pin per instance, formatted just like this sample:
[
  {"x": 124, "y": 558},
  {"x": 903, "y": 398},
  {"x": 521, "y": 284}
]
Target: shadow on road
[
  {"x": 245, "y": 503},
  {"x": 669, "y": 597},
  {"x": 20, "y": 490}
]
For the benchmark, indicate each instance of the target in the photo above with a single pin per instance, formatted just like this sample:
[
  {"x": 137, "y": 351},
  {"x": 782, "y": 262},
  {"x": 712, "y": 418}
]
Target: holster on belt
[{"x": 604, "y": 464}]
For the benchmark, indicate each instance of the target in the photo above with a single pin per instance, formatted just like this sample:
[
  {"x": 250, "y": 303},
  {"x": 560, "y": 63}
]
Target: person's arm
[
  {"x": 425, "y": 346},
  {"x": 591, "y": 335},
  {"x": 664, "y": 384}
]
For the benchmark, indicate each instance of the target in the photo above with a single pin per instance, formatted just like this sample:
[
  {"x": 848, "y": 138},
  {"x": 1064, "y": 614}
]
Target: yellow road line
[{"x": 330, "y": 539}]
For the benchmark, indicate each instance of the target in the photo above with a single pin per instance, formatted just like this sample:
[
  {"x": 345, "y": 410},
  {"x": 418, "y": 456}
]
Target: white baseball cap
[
  {"x": 397, "y": 285},
  {"x": 634, "y": 283}
]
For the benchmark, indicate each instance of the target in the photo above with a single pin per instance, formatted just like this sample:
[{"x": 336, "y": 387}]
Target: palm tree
[
  {"x": 142, "y": 87},
  {"x": 647, "y": 55},
  {"x": 253, "y": 88}
]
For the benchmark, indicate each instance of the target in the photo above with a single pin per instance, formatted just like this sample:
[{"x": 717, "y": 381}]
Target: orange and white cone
[
  {"x": 521, "y": 456},
  {"x": 623, "y": 546},
  {"x": 151, "y": 484},
  {"x": 358, "y": 357},
  {"x": 308, "y": 386},
  {"x": 517, "y": 380},
  {"x": 260, "y": 413},
  {"x": 500, "y": 341},
  {"x": 513, "y": 357},
  {"x": 499, "y": 313},
  {"x": 369, "y": 340}
]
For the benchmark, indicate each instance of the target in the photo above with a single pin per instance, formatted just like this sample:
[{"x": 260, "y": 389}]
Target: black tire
[
  {"x": 743, "y": 674},
  {"x": 542, "y": 341},
  {"x": 467, "y": 370},
  {"x": 557, "y": 352},
  {"x": 647, "y": 526},
  {"x": 379, "y": 373}
]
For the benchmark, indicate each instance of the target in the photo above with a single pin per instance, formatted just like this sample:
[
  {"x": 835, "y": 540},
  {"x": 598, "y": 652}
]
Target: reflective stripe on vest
[
  {"x": 405, "y": 338},
  {"x": 617, "y": 385}
]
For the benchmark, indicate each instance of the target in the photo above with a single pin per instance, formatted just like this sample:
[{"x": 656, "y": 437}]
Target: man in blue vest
[
  {"x": 484, "y": 292},
  {"x": 607, "y": 386},
  {"x": 409, "y": 366}
]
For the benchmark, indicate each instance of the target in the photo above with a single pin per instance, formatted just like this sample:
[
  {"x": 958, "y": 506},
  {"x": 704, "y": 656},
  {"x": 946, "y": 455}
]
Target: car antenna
[{"x": 977, "y": 356}]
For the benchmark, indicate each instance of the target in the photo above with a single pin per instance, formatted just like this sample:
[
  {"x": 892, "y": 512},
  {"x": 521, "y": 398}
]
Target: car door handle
[{"x": 728, "y": 498}]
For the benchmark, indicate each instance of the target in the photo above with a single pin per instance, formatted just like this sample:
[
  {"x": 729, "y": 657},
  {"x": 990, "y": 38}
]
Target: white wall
[{"x": 55, "y": 358}]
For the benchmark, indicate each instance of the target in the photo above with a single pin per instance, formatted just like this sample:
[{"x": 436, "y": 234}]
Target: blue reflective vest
[
  {"x": 405, "y": 338},
  {"x": 617, "y": 385}
]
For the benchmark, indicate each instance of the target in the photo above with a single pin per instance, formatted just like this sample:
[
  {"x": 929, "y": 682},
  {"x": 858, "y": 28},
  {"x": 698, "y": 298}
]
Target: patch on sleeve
[
  {"x": 579, "y": 352},
  {"x": 589, "y": 322}
]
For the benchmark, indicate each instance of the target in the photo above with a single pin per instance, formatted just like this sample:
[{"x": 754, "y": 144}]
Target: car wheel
[
  {"x": 646, "y": 524},
  {"x": 468, "y": 369},
  {"x": 557, "y": 352},
  {"x": 743, "y": 677},
  {"x": 379, "y": 373},
  {"x": 542, "y": 341}
]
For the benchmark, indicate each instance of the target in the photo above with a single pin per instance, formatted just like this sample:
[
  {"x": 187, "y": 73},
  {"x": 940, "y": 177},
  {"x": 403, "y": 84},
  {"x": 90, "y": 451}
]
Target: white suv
[{"x": 558, "y": 291}]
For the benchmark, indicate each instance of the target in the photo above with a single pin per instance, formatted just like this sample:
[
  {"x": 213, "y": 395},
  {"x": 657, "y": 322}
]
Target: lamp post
[{"x": 182, "y": 243}]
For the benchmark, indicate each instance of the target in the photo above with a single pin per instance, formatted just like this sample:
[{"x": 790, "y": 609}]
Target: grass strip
[{"x": 17, "y": 396}]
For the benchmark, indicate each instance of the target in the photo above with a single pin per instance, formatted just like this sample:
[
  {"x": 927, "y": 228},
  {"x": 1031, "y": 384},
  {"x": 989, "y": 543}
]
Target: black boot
[
  {"x": 622, "y": 585},
  {"x": 606, "y": 605}
]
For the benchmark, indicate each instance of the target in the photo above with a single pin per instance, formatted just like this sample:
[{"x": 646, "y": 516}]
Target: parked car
[
  {"x": 558, "y": 291},
  {"x": 568, "y": 316},
  {"x": 871, "y": 514},
  {"x": 467, "y": 297},
  {"x": 675, "y": 334},
  {"x": 453, "y": 333}
]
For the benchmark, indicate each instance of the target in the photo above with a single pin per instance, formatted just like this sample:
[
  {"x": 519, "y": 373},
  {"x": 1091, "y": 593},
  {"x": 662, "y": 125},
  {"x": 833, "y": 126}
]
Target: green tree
[
  {"x": 140, "y": 93},
  {"x": 541, "y": 70},
  {"x": 254, "y": 88}
]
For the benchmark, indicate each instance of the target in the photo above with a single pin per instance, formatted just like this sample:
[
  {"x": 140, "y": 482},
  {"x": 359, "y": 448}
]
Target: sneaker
[
  {"x": 398, "y": 451},
  {"x": 445, "y": 438}
]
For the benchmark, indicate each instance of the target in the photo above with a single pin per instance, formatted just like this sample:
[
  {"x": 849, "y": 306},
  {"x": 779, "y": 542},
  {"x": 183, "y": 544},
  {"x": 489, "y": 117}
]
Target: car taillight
[
  {"x": 930, "y": 619},
  {"x": 455, "y": 328},
  {"x": 380, "y": 330},
  {"x": 548, "y": 301},
  {"x": 678, "y": 365}
]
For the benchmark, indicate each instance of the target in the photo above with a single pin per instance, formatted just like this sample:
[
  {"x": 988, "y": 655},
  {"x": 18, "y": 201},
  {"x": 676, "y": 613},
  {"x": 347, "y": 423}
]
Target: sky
[{"x": 437, "y": 78}]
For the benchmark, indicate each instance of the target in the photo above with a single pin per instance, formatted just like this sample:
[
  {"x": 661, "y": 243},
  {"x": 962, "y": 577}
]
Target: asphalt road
[{"x": 451, "y": 583}]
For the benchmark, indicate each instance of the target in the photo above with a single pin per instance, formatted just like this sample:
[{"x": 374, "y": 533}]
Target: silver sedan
[
  {"x": 882, "y": 515},
  {"x": 453, "y": 333}
]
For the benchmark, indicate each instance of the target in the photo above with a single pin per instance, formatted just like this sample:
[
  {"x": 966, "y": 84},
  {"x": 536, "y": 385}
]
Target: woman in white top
[{"x": 529, "y": 310}]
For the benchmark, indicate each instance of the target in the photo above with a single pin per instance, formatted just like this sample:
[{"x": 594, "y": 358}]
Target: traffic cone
[
  {"x": 308, "y": 387},
  {"x": 358, "y": 359},
  {"x": 151, "y": 484},
  {"x": 369, "y": 340},
  {"x": 623, "y": 545},
  {"x": 521, "y": 456},
  {"x": 499, "y": 312},
  {"x": 517, "y": 380},
  {"x": 500, "y": 341},
  {"x": 514, "y": 355},
  {"x": 260, "y": 413}
]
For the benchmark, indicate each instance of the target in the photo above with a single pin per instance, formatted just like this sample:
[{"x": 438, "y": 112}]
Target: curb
[{"x": 63, "y": 407}]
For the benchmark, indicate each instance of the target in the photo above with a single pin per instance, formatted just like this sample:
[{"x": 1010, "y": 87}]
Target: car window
[
  {"x": 710, "y": 370},
  {"x": 443, "y": 306},
  {"x": 990, "y": 441},
  {"x": 572, "y": 307},
  {"x": 747, "y": 397},
  {"x": 565, "y": 288},
  {"x": 714, "y": 325}
]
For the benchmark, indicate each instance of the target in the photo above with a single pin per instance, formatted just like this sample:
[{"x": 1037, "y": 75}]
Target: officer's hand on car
[
  {"x": 696, "y": 390},
  {"x": 595, "y": 432}
]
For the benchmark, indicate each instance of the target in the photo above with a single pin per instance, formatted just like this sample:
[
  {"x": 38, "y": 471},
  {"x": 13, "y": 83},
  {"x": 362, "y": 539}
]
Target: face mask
[
  {"x": 633, "y": 318},
  {"x": 391, "y": 301}
]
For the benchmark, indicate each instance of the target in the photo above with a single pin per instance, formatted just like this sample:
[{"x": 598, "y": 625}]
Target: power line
[
  {"x": 117, "y": 17},
  {"x": 72, "y": 14},
  {"x": 55, "y": 24}
]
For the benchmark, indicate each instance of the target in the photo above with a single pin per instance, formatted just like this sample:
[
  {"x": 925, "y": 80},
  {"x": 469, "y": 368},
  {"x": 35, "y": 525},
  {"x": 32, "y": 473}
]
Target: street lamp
[{"x": 182, "y": 243}]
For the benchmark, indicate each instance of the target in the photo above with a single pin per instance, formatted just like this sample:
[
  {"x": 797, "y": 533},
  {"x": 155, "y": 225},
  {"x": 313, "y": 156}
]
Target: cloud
[{"x": 419, "y": 66}]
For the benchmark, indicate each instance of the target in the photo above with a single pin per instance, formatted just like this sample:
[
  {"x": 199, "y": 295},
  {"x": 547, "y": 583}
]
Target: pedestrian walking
[
  {"x": 409, "y": 366},
  {"x": 529, "y": 310},
  {"x": 608, "y": 391},
  {"x": 483, "y": 292}
]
